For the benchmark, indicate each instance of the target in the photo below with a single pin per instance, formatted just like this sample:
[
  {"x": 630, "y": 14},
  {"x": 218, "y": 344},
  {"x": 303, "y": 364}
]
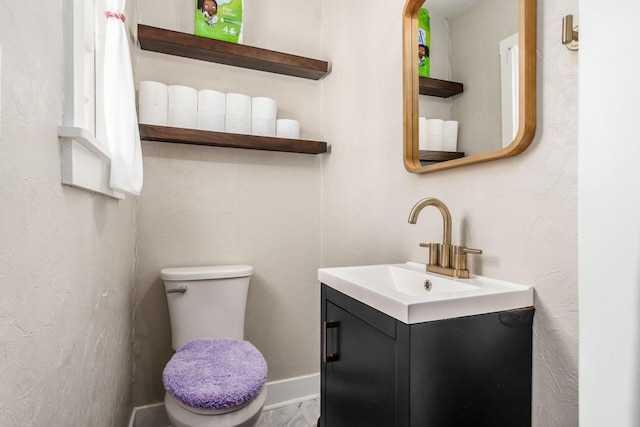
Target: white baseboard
[
  {"x": 291, "y": 390},
  {"x": 279, "y": 393},
  {"x": 149, "y": 416}
]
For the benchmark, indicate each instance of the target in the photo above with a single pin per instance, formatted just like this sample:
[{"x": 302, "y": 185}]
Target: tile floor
[{"x": 301, "y": 414}]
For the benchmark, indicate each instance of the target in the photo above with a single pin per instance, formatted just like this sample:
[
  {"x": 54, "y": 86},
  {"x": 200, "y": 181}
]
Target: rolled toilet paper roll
[
  {"x": 450, "y": 135},
  {"x": 183, "y": 117},
  {"x": 422, "y": 133},
  {"x": 183, "y": 97},
  {"x": 153, "y": 114},
  {"x": 263, "y": 126},
  {"x": 238, "y": 103},
  {"x": 238, "y": 123},
  {"x": 211, "y": 120},
  {"x": 434, "y": 134},
  {"x": 211, "y": 100},
  {"x": 287, "y": 128},
  {"x": 152, "y": 93},
  {"x": 264, "y": 107}
]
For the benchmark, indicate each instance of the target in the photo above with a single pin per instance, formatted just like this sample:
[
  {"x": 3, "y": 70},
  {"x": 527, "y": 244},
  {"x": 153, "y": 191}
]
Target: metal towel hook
[{"x": 569, "y": 33}]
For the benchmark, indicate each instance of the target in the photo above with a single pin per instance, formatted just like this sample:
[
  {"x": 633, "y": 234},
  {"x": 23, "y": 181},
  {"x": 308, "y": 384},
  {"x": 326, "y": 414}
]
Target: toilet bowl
[
  {"x": 215, "y": 378},
  {"x": 245, "y": 417}
]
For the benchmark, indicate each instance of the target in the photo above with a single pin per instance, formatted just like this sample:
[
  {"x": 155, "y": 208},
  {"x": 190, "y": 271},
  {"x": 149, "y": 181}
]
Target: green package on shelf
[
  {"x": 219, "y": 19},
  {"x": 424, "y": 43}
]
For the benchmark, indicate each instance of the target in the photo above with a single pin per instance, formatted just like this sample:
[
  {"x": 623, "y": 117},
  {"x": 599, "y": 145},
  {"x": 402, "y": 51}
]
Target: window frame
[{"x": 85, "y": 156}]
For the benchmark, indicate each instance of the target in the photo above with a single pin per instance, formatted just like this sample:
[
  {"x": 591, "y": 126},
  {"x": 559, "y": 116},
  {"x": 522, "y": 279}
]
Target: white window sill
[{"x": 86, "y": 162}]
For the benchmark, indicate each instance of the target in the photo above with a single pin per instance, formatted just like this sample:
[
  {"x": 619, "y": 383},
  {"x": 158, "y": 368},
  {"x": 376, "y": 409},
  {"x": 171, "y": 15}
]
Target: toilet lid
[{"x": 215, "y": 374}]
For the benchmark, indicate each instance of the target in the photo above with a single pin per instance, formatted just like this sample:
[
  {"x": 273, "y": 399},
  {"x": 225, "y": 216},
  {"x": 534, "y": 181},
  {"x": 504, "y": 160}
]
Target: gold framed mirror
[{"x": 524, "y": 96}]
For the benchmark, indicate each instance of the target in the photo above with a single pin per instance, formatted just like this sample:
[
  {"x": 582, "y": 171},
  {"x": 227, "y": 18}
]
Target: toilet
[{"x": 215, "y": 378}]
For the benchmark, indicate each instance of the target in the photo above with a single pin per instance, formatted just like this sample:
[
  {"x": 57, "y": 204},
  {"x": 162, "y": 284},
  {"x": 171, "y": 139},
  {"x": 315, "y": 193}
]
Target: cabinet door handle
[{"x": 328, "y": 357}]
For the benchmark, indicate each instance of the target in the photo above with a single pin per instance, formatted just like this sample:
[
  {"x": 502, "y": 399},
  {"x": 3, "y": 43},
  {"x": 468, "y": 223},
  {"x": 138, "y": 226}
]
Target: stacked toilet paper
[
  {"x": 437, "y": 134},
  {"x": 211, "y": 110},
  {"x": 422, "y": 134},
  {"x": 263, "y": 116},
  {"x": 152, "y": 103},
  {"x": 450, "y": 135},
  {"x": 183, "y": 107},
  {"x": 238, "y": 115},
  {"x": 206, "y": 109},
  {"x": 287, "y": 128}
]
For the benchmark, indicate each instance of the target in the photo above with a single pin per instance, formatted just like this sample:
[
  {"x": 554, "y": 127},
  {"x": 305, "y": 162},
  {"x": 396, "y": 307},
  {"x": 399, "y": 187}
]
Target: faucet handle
[
  {"x": 460, "y": 256},
  {"x": 471, "y": 251},
  {"x": 434, "y": 252}
]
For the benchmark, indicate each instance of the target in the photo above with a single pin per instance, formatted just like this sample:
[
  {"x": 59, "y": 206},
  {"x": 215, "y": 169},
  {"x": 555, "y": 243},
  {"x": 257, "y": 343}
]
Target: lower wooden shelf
[
  {"x": 439, "y": 88},
  {"x": 230, "y": 140},
  {"x": 439, "y": 156}
]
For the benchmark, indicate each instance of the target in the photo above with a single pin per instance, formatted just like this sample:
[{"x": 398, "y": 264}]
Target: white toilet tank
[{"x": 206, "y": 302}]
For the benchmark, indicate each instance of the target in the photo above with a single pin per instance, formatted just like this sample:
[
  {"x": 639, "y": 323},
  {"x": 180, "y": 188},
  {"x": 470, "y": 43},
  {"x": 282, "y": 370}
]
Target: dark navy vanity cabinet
[{"x": 467, "y": 371}]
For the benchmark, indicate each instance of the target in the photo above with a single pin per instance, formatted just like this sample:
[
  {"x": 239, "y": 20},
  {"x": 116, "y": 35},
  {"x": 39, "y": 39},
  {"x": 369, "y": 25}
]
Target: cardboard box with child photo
[{"x": 219, "y": 19}]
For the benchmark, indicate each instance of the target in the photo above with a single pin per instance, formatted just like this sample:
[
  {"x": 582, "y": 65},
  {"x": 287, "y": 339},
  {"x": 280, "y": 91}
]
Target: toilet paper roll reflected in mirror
[
  {"x": 422, "y": 133},
  {"x": 450, "y": 135},
  {"x": 434, "y": 134},
  {"x": 287, "y": 128}
]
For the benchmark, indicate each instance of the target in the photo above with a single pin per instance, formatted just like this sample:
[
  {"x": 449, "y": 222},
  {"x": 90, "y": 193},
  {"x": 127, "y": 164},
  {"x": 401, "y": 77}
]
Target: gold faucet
[{"x": 442, "y": 255}]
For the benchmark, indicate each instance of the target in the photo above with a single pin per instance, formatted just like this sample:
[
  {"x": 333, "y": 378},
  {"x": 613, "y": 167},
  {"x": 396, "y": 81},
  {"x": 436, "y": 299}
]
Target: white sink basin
[{"x": 399, "y": 291}]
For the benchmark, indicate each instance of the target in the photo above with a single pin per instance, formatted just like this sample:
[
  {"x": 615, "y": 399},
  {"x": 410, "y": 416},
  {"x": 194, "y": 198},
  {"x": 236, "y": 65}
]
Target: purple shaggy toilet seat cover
[{"x": 216, "y": 373}]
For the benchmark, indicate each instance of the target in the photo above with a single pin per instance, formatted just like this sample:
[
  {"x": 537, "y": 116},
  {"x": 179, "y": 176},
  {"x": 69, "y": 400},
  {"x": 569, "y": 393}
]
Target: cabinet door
[
  {"x": 472, "y": 371},
  {"x": 359, "y": 388}
]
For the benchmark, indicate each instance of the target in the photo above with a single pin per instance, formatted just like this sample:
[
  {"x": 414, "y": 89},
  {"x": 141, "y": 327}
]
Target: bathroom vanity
[{"x": 467, "y": 370}]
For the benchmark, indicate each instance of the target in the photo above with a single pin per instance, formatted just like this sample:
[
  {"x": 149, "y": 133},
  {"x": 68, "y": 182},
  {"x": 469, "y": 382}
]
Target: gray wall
[
  {"x": 465, "y": 49},
  {"x": 66, "y": 256},
  {"x": 476, "y": 34}
]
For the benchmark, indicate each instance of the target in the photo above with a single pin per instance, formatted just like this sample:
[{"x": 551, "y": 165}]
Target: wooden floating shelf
[
  {"x": 439, "y": 88},
  {"x": 230, "y": 140},
  {"x": 439, "y": 156},
  {"x": 195, "y": 47}
]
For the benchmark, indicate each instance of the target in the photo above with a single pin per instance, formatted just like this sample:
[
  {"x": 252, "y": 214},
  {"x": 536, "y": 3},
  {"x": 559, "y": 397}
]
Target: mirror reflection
[
  {"x": 466, "y": 66},
  {"x": 471, "y": 41}
]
